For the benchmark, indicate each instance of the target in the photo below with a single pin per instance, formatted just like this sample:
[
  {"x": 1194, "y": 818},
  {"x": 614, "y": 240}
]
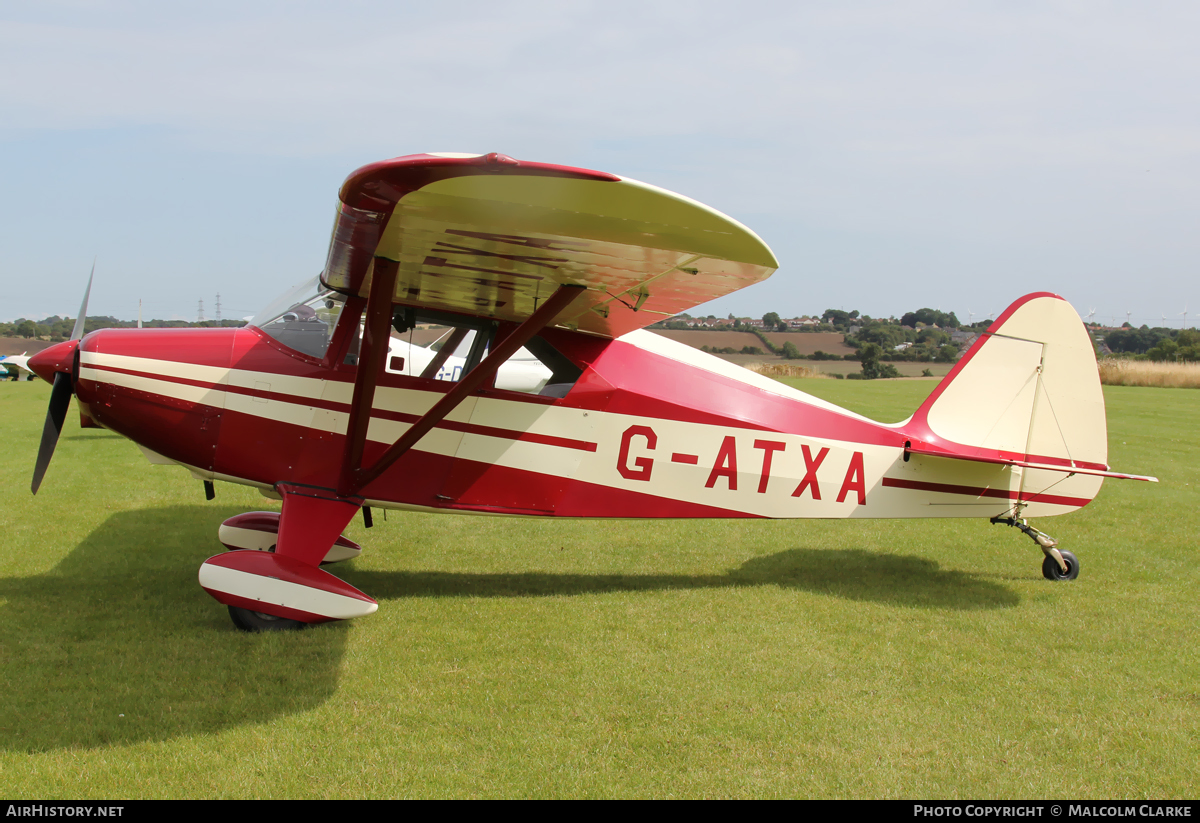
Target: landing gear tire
[
  {"x": 249, "y": 621},
  {"x": 1052, "y": 571}
]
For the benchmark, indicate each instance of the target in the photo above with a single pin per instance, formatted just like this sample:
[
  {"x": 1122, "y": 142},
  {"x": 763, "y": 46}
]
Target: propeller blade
[
  {"x": 77, "y": 331},
  {"x": 60, "y": 399}
]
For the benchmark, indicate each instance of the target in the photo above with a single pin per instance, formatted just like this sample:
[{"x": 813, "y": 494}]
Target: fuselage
[{"x": 651, "y": 428}]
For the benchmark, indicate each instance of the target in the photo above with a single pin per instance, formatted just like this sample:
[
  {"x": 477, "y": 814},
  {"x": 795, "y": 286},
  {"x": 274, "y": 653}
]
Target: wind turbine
[
  {"x": 1184, "y": 315},
  {"x": 1091, "y": 314}
]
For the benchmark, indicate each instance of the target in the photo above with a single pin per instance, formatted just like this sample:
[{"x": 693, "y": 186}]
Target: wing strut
[{"x": 375, "y": 347}]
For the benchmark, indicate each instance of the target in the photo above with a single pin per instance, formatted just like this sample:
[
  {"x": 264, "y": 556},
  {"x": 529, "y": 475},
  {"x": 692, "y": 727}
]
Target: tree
[
  {"x": 947, "y": 353},
  {"x": 885, "y": 336},
  {"x": 872, "y": 368},
  {"x": 836, "y": 318},
  {"x": 930, "y": 317},
  {"x": 1165, "y": 351},
  {"x": 770, "y": 320}
]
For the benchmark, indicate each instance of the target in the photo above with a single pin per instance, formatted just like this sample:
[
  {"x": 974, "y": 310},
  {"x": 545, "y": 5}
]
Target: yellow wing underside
[{"x": 497, "y": 246}]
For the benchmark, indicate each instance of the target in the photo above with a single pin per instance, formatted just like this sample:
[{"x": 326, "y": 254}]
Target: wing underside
[{"x": 492, "y": 237}]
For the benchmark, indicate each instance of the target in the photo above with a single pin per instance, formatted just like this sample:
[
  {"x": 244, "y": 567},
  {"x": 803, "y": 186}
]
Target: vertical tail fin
[
  {"x": 1028, "y": 395},
  {"x": 1028, "y": 389}
]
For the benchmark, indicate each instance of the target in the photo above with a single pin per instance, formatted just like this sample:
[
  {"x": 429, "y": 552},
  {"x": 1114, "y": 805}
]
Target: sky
[{"x": 894, "y": 155}]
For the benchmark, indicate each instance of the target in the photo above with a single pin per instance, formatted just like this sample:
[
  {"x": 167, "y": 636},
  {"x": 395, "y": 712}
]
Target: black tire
[
  {"x": 1051, "y": 570},
  {"x": 249, "y": 621}
]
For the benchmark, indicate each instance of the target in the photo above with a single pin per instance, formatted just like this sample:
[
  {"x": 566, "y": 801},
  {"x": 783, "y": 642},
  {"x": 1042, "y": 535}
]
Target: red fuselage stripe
[{"x": 975, "y": 491}]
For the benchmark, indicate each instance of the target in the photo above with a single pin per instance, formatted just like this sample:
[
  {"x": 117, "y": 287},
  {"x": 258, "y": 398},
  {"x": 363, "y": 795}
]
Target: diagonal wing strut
[{"x": 354, "y": 476}]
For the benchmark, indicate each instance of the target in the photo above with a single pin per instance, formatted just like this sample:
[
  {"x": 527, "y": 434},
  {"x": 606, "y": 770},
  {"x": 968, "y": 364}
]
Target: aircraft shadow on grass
[{"x": 118, "y": 644}]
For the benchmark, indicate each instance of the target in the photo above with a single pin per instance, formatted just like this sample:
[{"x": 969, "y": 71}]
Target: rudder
[{"x": 1028, "y": 389}]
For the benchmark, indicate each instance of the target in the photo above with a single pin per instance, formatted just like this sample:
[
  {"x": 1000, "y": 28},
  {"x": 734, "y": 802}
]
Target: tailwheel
[
  {"x": 1052, "y": 571},
  {"x": 249, "y": 621}
]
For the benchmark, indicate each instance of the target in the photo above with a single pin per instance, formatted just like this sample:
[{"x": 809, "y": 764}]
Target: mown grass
[
  {"x": 529, "y": 658},
  {"x": 1115, "y": 371}
]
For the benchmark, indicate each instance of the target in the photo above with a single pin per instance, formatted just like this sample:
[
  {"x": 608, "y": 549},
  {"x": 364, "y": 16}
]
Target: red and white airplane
[{"x": 312, "y": 404}]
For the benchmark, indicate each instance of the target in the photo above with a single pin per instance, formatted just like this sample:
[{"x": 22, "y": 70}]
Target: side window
[
  {"x": 437, "y": 346},
  {"x": 538, "y": 368},
  {"x": 442, "y": 346}
]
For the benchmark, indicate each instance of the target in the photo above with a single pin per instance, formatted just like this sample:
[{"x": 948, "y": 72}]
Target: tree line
[
  {"x": 56, "y": 329},
  {"x": 1159, "y": 344}
]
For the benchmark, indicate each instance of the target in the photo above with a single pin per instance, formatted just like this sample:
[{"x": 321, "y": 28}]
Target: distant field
[
  {"x": 712, "y": 339},
  {"x": 1118, "y": 372},
  {"x": 806, "y": 343},
  {"x": 812, "y": 342},
  {"x": 538, "y": 658},
  {"x": 18, "y": 345},
  {"x": 842, "y": 367}
]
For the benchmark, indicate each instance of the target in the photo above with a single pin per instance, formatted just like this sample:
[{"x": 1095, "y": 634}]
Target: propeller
[{"x": 60, "y": 399}]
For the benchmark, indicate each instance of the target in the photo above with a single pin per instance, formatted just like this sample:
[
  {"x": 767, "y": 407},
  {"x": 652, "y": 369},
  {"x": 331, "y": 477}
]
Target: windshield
[{"x": 303, "y": 318}]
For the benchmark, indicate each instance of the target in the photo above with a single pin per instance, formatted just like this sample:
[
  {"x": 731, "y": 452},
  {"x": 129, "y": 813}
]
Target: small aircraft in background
[
  {"x": 522, "y": 372},
  {"x": 20, "y": 363},
  {"x": 545, "y": 396}
]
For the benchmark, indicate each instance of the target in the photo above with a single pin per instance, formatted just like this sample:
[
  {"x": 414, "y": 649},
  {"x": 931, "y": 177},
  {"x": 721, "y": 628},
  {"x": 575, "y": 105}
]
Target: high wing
[{"x": 491, "y": 236}]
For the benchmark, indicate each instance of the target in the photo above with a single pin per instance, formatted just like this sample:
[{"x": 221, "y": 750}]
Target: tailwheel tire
[
  {"x": 249, "y": 621},
  {"x": 1051, "y": 570}
]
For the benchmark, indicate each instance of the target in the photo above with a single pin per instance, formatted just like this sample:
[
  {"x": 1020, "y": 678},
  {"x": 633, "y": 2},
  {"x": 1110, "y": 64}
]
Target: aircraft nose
[{"x": 57, "y": 358}]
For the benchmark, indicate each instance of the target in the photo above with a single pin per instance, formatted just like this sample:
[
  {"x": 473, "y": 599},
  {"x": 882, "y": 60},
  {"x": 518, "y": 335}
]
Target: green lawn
[{"x": 536, "y": 658}]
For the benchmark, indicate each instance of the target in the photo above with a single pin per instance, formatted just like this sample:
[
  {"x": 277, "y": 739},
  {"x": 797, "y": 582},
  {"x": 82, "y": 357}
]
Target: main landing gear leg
[
  {"x": 1058, "y": 564},
  {"x": 286, "y": 589}
]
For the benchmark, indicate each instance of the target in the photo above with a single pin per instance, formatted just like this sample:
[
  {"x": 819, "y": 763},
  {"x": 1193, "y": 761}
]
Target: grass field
[{"x": 528, "y": 658}]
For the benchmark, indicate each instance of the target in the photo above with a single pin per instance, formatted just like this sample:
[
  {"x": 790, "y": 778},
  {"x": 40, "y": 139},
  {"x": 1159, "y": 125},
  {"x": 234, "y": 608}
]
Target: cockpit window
[
  {"x": 440, "y": 346},
  {"x": 424, "y": 343},
  {"x": 303, "y": 318}
]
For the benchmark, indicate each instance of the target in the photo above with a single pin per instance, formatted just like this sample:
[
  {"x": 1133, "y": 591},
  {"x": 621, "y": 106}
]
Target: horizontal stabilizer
[{"x": 1027, "y": 464}]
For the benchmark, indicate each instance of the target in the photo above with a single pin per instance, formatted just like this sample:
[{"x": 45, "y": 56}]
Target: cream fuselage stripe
[{"x": 142, "y": 378}]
